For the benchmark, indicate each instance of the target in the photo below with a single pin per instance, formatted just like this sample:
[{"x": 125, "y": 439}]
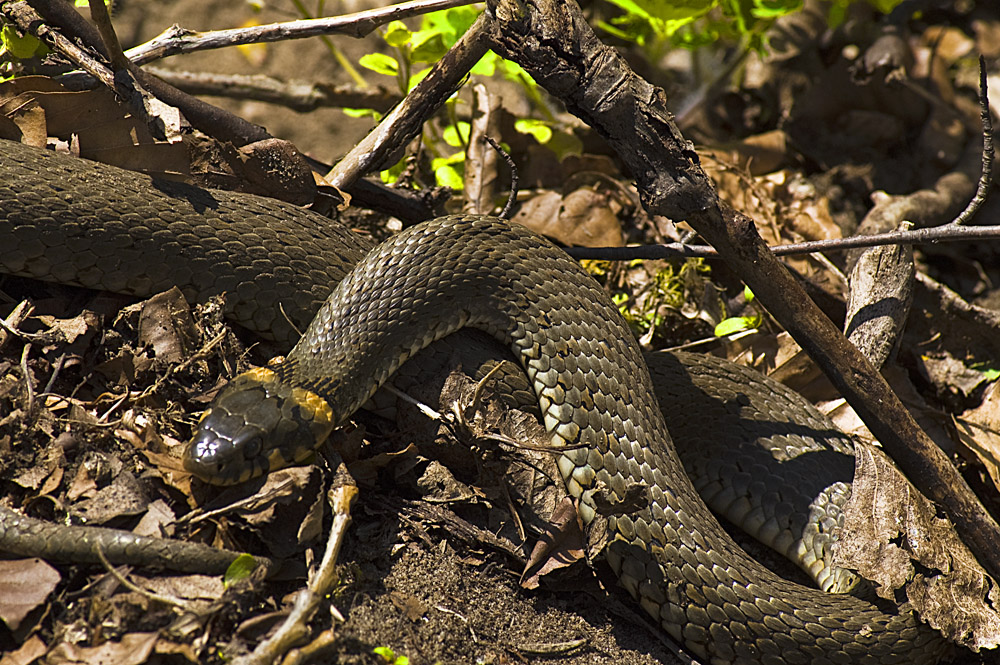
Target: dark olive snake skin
[{"x": 589, "y": 374}]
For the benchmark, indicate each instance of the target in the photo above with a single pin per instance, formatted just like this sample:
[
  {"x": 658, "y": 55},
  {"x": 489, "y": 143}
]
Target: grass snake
[{"x": 96, "y": 226}]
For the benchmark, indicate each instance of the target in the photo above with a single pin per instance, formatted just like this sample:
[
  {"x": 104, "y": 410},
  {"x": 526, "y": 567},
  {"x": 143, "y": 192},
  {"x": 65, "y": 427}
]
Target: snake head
[{"x": 256, "y": 424}]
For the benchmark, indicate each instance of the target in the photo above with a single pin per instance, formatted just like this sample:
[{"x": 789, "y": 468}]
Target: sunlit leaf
[
  {"x": 457, "y": 136},
  {"x": 239, "y": 569},
  {"x": 418, "y": 77},
  {"x": 381, "y": 63},
  {"x": 361, "y": 113},
  {"x": 535, "y": 128},
  {"x": 18, "y": 46},
  {"x": 397, "y": 34},
  {"x": 447, "y": 171},
  {"x": 735, "y": 324}
]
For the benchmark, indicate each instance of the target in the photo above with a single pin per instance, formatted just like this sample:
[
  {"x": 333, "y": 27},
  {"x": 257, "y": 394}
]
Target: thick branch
[{"x": 551, "y": 39}]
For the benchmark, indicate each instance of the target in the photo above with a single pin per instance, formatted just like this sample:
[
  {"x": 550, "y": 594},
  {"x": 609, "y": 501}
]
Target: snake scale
[{"x": 591, "y": 380}]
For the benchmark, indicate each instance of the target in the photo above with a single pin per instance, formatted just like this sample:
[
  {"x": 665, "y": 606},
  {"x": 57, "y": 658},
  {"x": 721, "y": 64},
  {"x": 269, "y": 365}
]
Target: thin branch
[
  {"x": 176, "y": 40},
  {"x": 295, "y": 627},
  {"x": 301, "y": 96},
  {"x": 950, "y": 232},
  {"x": 986, "y": 179},
  {"x": 24, "y": 17},
  {"x": 100, "y": 16},
  {"x": 505, "y": 213}
]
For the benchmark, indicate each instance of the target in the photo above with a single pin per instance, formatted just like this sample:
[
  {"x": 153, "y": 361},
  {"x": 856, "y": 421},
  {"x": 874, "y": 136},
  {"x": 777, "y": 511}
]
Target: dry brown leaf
[
  {"x": 560, "y": 545},
  {"x": 23, "y": 122},
  {"x": 166, "y": 325},
  {"x": 758, "y": 154},
  {"x": 24, "y": 585},
  {"x": 412, "y": 607},
  {"x": 979, "y": 431},
  {"x": 133, "y": 649},
  {"x": 893, "y": 537},
  {"x": 949, "y": 374},
  {"x": 156, "y": 521},
  {"x": 124, "y": 497},
  {"x": 582, "y": 217},
  {"x": 188, "y": 587},
  {"x": 284, "y": 521},
  {"x": 439, "y": 485},
  {"x": 98, "y": 126},
  {"x": 27, "y": 653},
  {"x": 987, "y": 39}
]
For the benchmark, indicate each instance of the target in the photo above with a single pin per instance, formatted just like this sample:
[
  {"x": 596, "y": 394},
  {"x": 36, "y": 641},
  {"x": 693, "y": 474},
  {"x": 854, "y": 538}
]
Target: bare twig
[
  {"x": 951, "y": 232},
  {"x": 505, "y": 213},
  {"x": 301, "y": 96},
  {"x": 29, "y": 384},
  {"x": 113, "y": 47},
  {"x": 170, "y": 601},
  {"x": 178, "y": 40},
  {"x": 9, "y": 326},
  {"x": 24, "y": 17},
  {"x": 986, "y": 179},
  {"x": 308, "y": 600}
]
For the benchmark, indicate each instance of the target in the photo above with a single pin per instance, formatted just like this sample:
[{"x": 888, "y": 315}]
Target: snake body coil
[
  {"x": 71, "y": 221},
  {"x": 596, "y": 398}
]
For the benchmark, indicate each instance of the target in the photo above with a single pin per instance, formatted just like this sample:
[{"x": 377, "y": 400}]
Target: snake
[{"x": 67, "y": 220}]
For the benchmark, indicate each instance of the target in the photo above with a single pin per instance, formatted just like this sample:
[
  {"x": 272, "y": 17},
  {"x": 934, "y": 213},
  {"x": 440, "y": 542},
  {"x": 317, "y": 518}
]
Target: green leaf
[
  {"x": 381, "y": 63},
  {"x": 564, "y": 143},
  {"x": 447, "y": 172},
  {"x": 735, "y": 324},
  {"x": 361, "y": 113},
  {"x": 449, "y": 176},
  {"x": 397, "y": 34},
  {"x": 239, "y": 569},
  {"x": 535, "y": 128},
  {"x": 428, "y": 46},
  {"x": 391, "y": 174},
  {"x": 418, "y": 77},
  {"x": 387, "y": 654},
  {"x": 747, "y": 294},
  {"x": 20, "y": 47},
  {"x": 770, "y": 9},
  {"x": 457, "y": 136},
  {"x": 487, "y": 65},
  {"x": 884, "y": 6},
  {"x": 450, "y": 23},
  {"x": 666, "y": 11}
]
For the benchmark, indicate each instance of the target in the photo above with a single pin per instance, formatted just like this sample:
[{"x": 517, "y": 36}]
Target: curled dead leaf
[{"x": 893, "y": 536}]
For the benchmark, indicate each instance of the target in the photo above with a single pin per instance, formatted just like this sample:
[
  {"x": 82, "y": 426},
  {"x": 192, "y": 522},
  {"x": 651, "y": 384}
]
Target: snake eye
[{"x": 252, "y": 447}]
